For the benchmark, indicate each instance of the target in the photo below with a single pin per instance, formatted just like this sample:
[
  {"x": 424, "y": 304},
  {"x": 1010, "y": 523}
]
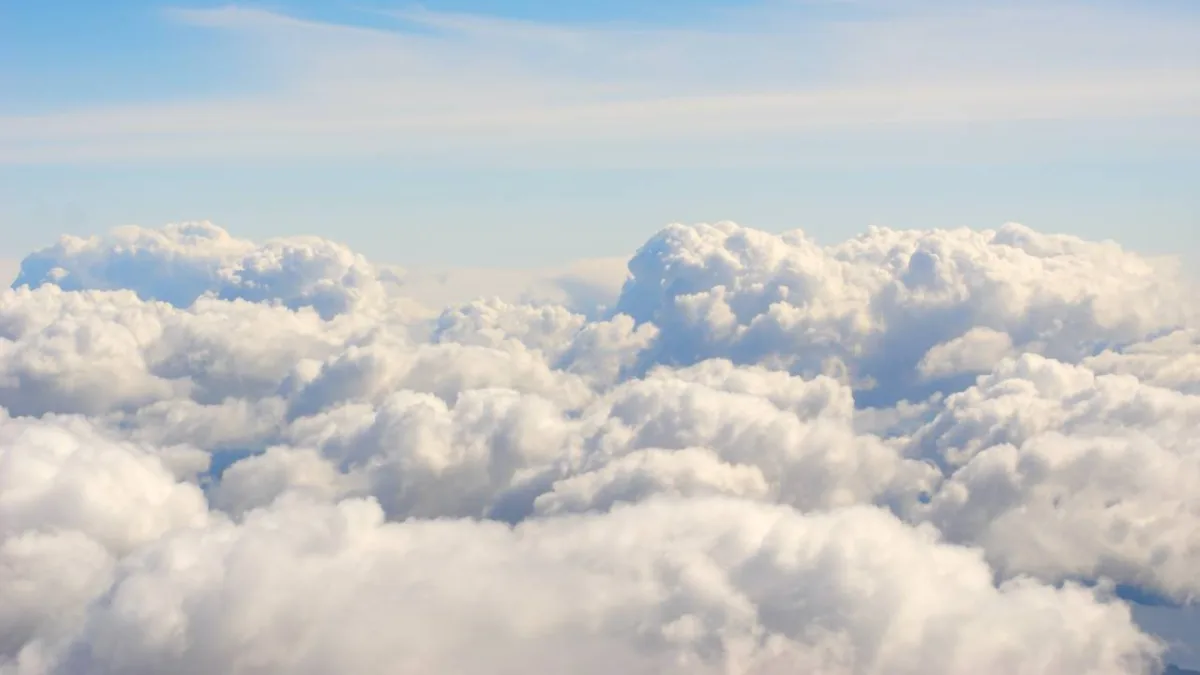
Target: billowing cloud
[
  {"x": 912, "y": 452},
  {"x": 889, "y": 309},
  {"x": 179, "y": 263},
  {"x": 67, "y": 477},
  {"x": 1171, "y": 360},
  {"x": 665, "y": 586},
  {"x": 72, "y": 503},
  {"x": 1062, "y": 473}
]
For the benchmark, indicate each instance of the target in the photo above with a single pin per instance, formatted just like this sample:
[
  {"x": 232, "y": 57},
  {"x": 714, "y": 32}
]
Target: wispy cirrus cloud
[{"x": 467, "y": 88}]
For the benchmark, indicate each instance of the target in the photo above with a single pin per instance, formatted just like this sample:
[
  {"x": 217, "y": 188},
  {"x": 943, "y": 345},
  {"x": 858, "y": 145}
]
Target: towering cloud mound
[
  {"x": 179, "y": 263},
  {"x": 899, "y": 313},
  {"x": 912, "y": 452}
]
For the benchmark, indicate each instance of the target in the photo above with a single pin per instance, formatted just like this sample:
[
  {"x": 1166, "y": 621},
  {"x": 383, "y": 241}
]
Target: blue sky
[{"x": 530, "y": 133}]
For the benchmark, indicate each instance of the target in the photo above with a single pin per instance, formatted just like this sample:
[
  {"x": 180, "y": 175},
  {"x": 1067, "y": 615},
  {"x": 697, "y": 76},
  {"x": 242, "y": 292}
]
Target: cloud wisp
[
  {"x": 910, "y": 452},
  {"x": 473, "y": 89}
]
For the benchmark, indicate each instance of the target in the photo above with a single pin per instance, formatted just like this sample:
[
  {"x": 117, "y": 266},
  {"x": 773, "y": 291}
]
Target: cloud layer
[{"x": 911, "y": 452}]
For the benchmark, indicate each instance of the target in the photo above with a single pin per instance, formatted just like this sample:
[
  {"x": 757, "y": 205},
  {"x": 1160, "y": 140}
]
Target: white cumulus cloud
[{"x": 911, "y": 452}]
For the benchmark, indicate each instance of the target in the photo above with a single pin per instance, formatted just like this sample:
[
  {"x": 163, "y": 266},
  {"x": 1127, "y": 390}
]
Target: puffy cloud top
[
  {"x": 880, "y": 305},
  {"x": 181, "y": 262},
  {"x": 911, "y": 452}
]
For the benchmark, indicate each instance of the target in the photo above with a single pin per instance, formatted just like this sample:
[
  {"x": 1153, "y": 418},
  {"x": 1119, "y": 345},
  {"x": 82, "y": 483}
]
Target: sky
[{"x": 509, "y": 134}]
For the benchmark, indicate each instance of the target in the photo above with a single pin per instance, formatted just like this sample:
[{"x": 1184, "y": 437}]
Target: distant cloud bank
[{"x": 910, "y": 452}]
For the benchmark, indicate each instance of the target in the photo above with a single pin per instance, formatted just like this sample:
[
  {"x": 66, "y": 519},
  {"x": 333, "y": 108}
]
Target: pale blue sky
[{"x": 493, "y": 132}]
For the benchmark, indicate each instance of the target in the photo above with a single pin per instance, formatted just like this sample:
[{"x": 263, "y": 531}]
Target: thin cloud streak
[{"x": 444, "y": 80}]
